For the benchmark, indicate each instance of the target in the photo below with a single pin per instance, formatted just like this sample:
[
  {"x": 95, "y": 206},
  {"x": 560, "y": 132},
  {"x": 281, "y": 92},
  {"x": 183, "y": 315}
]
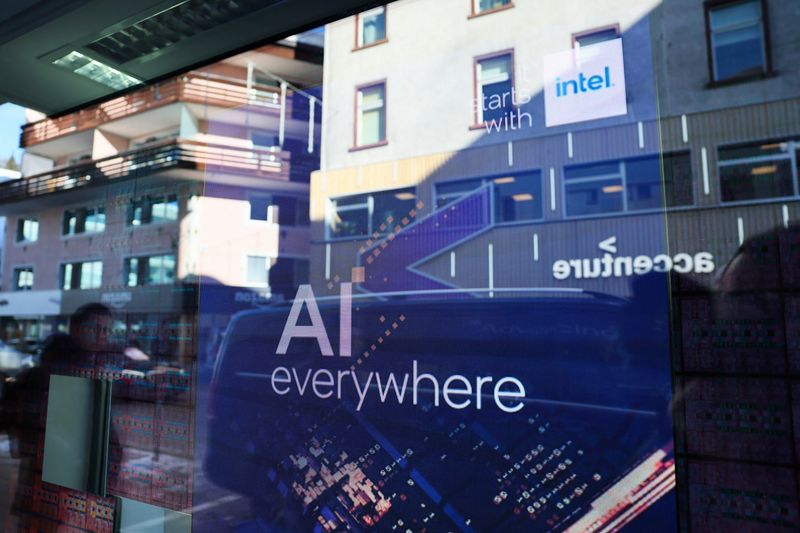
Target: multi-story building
[
  {"x": 512, "y": 172},
  {"x": 135, "y": 202}
]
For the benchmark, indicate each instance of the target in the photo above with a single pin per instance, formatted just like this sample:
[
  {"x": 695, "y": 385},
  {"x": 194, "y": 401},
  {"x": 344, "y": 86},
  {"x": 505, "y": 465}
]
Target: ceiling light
[
  {"x": 760, "y": 171},
  {"x": 609, "y": 189},
  {"x": 522, "y": 197},
  {"x": 96, "y": 71},
  {"x": 500, "y": 181},
  {"x": 404, "y": 195}
]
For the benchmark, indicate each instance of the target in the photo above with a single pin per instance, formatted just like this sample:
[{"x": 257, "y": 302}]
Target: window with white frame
[
  {"x": 517, "y": 197},
  {"x": 371, "y": 115},
  {"x": 494, "y": 83},
  {"x": 257, "y": 272},
  {"x": 371, "y": 27},
  {"x": 82, "y": 275},
  {"x": 27, "y": 230},
  {"x": 637, "y": 184},
  {"x": 756, "y": 171},
  {"x": 365, "y": 214},
  {"x": 23, "y": 278},
  {"x": 737, "y": 39}
]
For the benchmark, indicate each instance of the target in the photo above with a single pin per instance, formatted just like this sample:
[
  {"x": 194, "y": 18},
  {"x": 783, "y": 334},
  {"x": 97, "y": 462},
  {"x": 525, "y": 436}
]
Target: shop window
[
  {"x": 756, "y": 171},
  {"x": 150, "y": 270},
  {"x": 371, "y": 27},
  {"x": 516, "y": 197},
  {"x": 27, "y": 230},
  {"x": 737, "y": 34},
  {"x": 77, "y": 221},
  {"x": 23, "y": 278},
  {"x": 371, "y": 115},
  {"x": 153, "y": 209},
  {"x": 82, "y": 275},
  {"x": 365, "y": 214},
  {"x": 494, "y": 82}
]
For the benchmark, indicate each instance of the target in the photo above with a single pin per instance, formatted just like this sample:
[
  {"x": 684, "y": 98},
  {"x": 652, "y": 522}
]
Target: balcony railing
[
  {"x": 193, "y": 88},
  {"x": 165, "y": 155}
]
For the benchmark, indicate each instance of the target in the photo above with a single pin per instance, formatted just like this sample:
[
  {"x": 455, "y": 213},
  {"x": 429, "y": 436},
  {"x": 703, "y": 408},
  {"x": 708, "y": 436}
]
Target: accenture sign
[{"x": 614, "y": 266}]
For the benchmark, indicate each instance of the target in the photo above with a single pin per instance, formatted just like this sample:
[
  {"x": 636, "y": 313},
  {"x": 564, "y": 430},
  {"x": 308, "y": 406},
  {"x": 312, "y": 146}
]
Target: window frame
[
  {"x": 357, "y": 120},
  {"x": 585, "y": 33},
  {"x": 85, "y": 212},
  {"x": 15, "y": 271},
  {"x": 359, "y": 31},
  {"x": 146, "y": 258},
  {"x": 369, "y": 205},
  {"x": 474, "y": 12},
  {"x": 246, "y": 280},
  {"x": 477, "y": 88},
  {"x": 80, "y": 264},
  {"x": 150, "y": 201},
  {"x": 708, "y": 7},
  {"x": 792, "y": 157},
  {"x": 22, "y": 220},
  {"x": 622, "y": 174},
  {"x": 486, "y": 180}
]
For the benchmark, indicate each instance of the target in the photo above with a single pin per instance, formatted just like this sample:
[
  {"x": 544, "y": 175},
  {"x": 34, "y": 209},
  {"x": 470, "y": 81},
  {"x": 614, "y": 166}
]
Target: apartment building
[
  {"x": 559, "y": 192},
  {"x": 136, "y": 203},
  {"x": 514, "y": 175}
]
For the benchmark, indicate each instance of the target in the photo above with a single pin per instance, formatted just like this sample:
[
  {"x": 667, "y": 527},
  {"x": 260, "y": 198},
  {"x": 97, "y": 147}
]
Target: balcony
[
  {"x": 272, "y": 164},
  {"x": 208, "y": 90}
]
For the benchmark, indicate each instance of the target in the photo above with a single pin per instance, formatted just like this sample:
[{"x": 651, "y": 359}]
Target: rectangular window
[
  {"x": 629, "y": 185},
  {"x": 83, "y": 275},
  {"x": 598, "y": 35},
  {"x": 77, "y": 221},
  {"x": 516, "y": 197},
  {"x": 152, "y": 209},
  {"x": 27, "y": 230},
  {"x": 150, "y": 270},
  {"x": 494, "y": 82},
  {"x": 483, "y": 6},
  {"x": 365, "y": 214},
  {"x": 736, "y": 33},
  {"x": 757, "y": 171},
  {"x": 283, "y": 210},
  {"x": 371, "y": 27},
  {"x": 371, "y": 115},
  {"x": 257, "y": 270},
  {"x": 23, "y": 278}
]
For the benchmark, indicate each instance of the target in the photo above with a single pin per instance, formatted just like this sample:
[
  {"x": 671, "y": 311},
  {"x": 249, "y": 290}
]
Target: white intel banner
[{"x": 584, "y": 83}]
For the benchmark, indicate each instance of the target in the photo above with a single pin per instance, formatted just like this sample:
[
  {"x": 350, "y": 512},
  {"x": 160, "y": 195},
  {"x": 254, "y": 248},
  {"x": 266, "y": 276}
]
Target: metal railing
[
  {"x": 163, "y": 155},
  {"x": 193, "y": 88}
]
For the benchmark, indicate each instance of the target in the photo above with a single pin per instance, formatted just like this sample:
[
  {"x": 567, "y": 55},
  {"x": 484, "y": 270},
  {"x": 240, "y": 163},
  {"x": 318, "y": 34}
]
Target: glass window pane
[
  {"x": 257, "y": 269},
  {"x": 610, "y": 168},
  {"x": 596, "y": 37},
  {"x": 753, "y": 150},
  {"x": 518, "y": 197},
  {"x": 132, "y": 271},
  {"x": 751, "y": 181},
  {"x": 735, "y": 14},
  {"x": 66, "y": 276},
  {"x": 372, "y": 126},
  {"x": 643, "y": 178},
  {"x": 391, "y": 206},
  {"x": 373, "y": 26},
  {"x": 594, "y": 197},
  {"x": 678, "y": 179},
  {"x": 350, "y": 223},
  {"x": 486, "y": 5},
  {"x": 738, "y": 52}
]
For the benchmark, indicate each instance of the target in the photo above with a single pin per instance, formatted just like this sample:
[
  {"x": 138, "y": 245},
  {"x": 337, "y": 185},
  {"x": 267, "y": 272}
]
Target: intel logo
[{"x": 583, "y": 84}]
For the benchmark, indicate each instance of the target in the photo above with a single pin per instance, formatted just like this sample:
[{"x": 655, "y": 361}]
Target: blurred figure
[{"x": 84, "y": 352}]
